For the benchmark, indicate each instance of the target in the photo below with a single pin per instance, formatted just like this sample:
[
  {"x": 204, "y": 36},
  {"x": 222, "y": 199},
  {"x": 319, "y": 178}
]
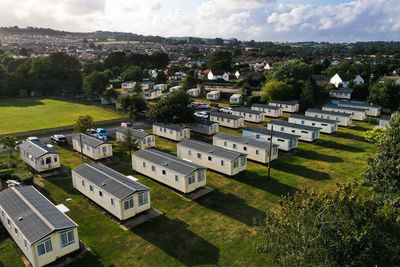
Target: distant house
[
  {"x": 40, "y": 157},
  {"x": 373, "y": 110},
  {"x": 175, "y": 88},
  {"x": 268, "y": 65},
  {"x": 171, "y": 131},
  {"x": 325, "y": 125},
  {"x": 195, "y": 92},
  {"x": 344, "y": 119},
  {"x": 177, "y": 173},
  {"x": 218, "y": 74},
  {"x": 213, "y": 157},
  {"x": 270, "y": 111},
  {"x": 213, "y": 95},
  {"x": 162, "y": 87},
  {"x": 236, "y": 99},
  {"x": 396, "y": 73},
  {"x": 335, "y": 63},
  {"x": 114, "y": 192},
  {"x": 320, "y": 79},
  {"x": 341, "y": 93},
  {"x": 286, "y": 106},
  {"x": 42, "y": 232},
  {"x": 396, "y": 79},
  {"x": 248, "y": 114},
  {"x": 203, "y": 127},
  {"x": 255, "y": 150},
  {"x": 227, "y": 120},
  {"x": 358, "y": 114},
  {"x": 304, "y": 132},
  {"x": 147, "y": 85},
  {"x": 145, "y": 139},
  {"x": 345, "y": 79},
  {"x": 152, "y": 94},
  {"x": 285, "y": 142},
  {"x": 128, "y": 85},
  {"x": 92, "y": 147}
]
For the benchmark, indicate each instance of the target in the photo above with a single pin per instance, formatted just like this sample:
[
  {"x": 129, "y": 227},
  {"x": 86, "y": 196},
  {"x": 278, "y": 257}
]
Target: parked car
[
  {"x": 102, "y": 132},
  {"x": 201, "y": 115},
  {"x": 127, "y": 124},
  {"x": 59, "y": 139},
  {"x": 95, "y": 134},
  {"x": 32, "y": 138},
  {"x": 226, "y": 110},
  {"x": 203, "y": 106},
  {"x": 214, "y": 110}
]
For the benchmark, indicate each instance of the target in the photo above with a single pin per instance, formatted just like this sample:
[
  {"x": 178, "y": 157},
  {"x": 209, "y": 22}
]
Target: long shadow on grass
[
  {"x": 232, "y": 207},
  {"x": 338, "y": 146},
  {"x": 302, "y": 171},
  {"x": 350, "y": 136},
  {"x": 15, "y": 102},
  {"x": 313, "y": 155},
  {"x": 173, "y": 237}
]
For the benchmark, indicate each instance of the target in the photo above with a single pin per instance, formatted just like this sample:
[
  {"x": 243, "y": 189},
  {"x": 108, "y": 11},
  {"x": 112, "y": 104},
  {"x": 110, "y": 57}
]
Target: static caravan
[
  {"x": 152, "y": 94},
  {"x": 92, "y": 147},
  {"x": 195, "y": 92},
  {"x": 128, "y": 85},
  {"x": 383, "y": 122},
  {"x": 373, "y": 110},
  {"x": 40, "y": 157},
  {"x": 175, "y": 88},
  {"x": 286, "y": 106},
  {"x": 358, "y": 114},
  {"x": 203, "y": 127},
  {"x": 341, "y": 94},
  {"x": 171, "y": 131},
  {"x": 163, "y": 87},
  {"x": 177, "y": 173},
  {"x": 227, "y": 120},
  {"x": 255, "y": 150},
  {"x": 285, "y": 142},
  {"x": 216, "y": 158},
  {"x": 213, "y": 95},
  {"x": 304, "y": 132},
  {"x": 248, "y": 114},
  {"x": 114, "y": 192},
  {"x": 270, "y": 111},
  {"x": 144, "y": 139},
  {"x": 325, "y": 125},
  {"x": 236, "y": 99},
  {"x": 344, "y": 119},
  {"x": 147, "y": 85},
  {"x": 42, "y": 232}
]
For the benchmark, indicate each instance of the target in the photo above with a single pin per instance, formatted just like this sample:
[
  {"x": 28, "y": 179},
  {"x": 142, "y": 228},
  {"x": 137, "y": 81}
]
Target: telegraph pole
[{"x": 270, "y": 153}]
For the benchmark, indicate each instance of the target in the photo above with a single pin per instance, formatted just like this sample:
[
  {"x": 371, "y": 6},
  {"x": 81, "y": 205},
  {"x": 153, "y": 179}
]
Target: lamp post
[{"x": 270, "y": 154}]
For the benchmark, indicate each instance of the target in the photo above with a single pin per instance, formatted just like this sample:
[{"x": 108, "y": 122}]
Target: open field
[{"x": 26, "y": 114}]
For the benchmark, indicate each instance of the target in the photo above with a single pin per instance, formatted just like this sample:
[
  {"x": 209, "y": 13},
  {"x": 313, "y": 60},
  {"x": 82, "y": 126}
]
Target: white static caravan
[
  {"x": 203, "y": 127},
  {"x": 270, "y": 111},
  {"x": 286, "y": 106},
  {"x": 285, "y": 142},
  {"x": 213, "y": 95},
  {"x": 175, "y": 88},
  {"x": 177, "y": 173},
  {"x": 341, "y": 93},
  {"x": 40, "y": 157},
  {"x": 171, "y": 131},
  {"x": 92, "y": 147},
  {"x": 255, "y": 150},
  {"x": 163, "y": 87},
  {"x": 358, "y": 114},
  {"x": 145, "y": 139},
  {"x": 114, "y": 192},
  {"x": 344, "y": 119},
  {"x": 216, "y": 158},
  {"x": 227, "y": 120},
  {"x": 236, "y": 99},
  {"x": 147, "y": 85},
  {"x": 195, "y": 92},
  {"x": 42, "y": 232},
  {"x": 152, "y": 94},
  {"x": 248, "y": 114},
  {"x": 373, "y": 110},
  {"x": 128, "y": 85},
  {"x": 383, "y": 122},
  {"x": 304, "y": 132},
  {"x": 325, "y": 125}
]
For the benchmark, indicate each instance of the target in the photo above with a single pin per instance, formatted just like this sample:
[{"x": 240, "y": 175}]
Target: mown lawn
[
  {"x": 217, "y": 229},
  {"x": 26, "y": 114}
]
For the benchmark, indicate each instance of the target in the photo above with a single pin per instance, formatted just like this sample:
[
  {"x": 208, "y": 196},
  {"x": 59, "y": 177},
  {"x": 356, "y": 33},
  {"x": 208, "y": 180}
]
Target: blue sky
[{"x": 261, "y": 20}]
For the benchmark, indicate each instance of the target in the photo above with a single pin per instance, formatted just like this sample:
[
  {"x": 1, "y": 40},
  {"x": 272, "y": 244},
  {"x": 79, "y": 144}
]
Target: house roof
[
  {"x": 243, "y": 140},
  {"x": 33, "y": 214},
  {"x": 90, "y": 140},
  {"x": 109, "y": 180},
  {"x": 213, "y": 93},
  {"x": 293, "y": 102},
  {"x": 309, "y": 118},
  {"x": 265, "y": 131},
  {"x": 36, "y": 148},
  {"x": 348, "y": 91},
  {"x": 333, "y": 113},
  {"x": 346, "y": 77},
  {"x": 344, "y": 108},
  {"x": 135, "y": 132},
  {"x": 168, "y": 161},
  {"x": 265, "y": 106},
  {"x": 211, "y": 149},
  {"x": 202, "y": 122},
  {"x": 293, "y": 125},
  {"x": 358, "y": 104},
  {"x": 153, "y": 90},
  {"x": 320, "y": 78},
  {"x": 172, "y": 126},
  {"x": 236, "y": 96},
  {"x": 247, "y": 110},
  {"x": 225, "y": 115},
  {"x": 218, "y": 72}
]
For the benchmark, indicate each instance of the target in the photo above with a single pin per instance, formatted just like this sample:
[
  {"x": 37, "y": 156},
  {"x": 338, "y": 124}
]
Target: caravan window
[
  {"x": 44, "y": 247},
  {"x": 143, "y": 198},
  {"x": 128, "y": 204},
  {"x": 67, "y": 238},
  {"x": 48, "y": 160}
]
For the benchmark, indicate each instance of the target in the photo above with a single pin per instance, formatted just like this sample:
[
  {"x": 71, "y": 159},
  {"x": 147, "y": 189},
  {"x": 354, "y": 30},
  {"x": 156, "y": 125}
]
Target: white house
[
  {"x": 248, "y": 114},
  {"x": 128, "y": 85},
  {"x": 270, "y": 111},
  {"x": 38, "y": 156},
  {"x": 304, "y": 132},
  {"x": 268, "y": 66},
  {"x": 285, "y": 142},
  {"x": 341, "y": 93},
  {"x": 358, "y": 114},
  {"x": 286, "y": 106},
  {"x": 218, "y": 74},
  {"x": 195, "y": 92},
  {"x": 236, "y": 99},
  {"x": 114, "y": 192},
  {"x": 345, "y": 79},
  {"x": 344, "y": 119},
  {"x": 152, "y": 94},
  {"x": 256, "y": 150},
  {"x": 325, "y": 125},
  {"x": 216, "y": 158},
  {"x": 227, "y": 120},
  {"x": 171, "y": 131},
  {"x": 175, "y": 88},
  {"x": 177, "y": 173},
  {"x": 92, "y": 147},
  {"x": 373, "y": 110},
  {"x": 144, "y": 139},
  {"x": 163, "y": 87},
  {"x": 213, "y": 95},
  {"x": 358, "y": 80},
  {"x": 203, "y": 127},
  {"x": 41, "y": 231}
]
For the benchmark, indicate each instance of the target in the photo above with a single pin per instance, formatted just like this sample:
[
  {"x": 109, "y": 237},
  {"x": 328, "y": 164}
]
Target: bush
[
  {"x": 225, "y": 95},
  {"x": 255, "y": 99},
  {"x": 6, "y": 174}
]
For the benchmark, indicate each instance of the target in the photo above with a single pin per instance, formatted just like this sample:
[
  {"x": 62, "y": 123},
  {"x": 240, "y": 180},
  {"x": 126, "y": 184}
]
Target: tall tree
[
  {"x": 129, "y": 142},
  {"x": 386, "y": 94},
  {"x": 307, "y": 98},
  {"x": 10, "y": 142},
  {"x": 219, "y": 60},
  {"x": 134, "y": 104},
  {"x": 133, "y": 73},
  {"x": 190, "y": 81},
  {"x": 83, "y": 123},
  {"x": 274, "y": 90},
  {"x": 95, "y": 84}
]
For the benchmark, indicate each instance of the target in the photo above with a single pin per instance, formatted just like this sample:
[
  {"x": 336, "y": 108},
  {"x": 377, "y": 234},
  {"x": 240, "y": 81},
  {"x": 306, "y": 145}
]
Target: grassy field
[
  {"x": 217, "y": 229},
  {"x": 26, "y": 114}
]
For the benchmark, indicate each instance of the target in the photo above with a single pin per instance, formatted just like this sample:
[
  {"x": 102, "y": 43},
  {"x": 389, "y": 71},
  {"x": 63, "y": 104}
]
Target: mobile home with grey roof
[
  {"x": 269, "y": 111},
  {"x": 227, "y": 120},
  {"x": 373, "y": 110},
  {"x": 248, "y": 114},
  {"x": 358, "y": 114},
  {"x": 40, "y": 157},
  {"x": 144, "y": 139},
  {"x": 344, "y": 119},
  {"x": 286, "y": 106},
  {"x": 285, "y": 142},
  {"x": 304, "y": 132},
  {"x": 92, "y": 147},
  {"x": 325, "y": 125},
  {"x": 171, "y": 131},
  {"x": 203, "y": 127}
]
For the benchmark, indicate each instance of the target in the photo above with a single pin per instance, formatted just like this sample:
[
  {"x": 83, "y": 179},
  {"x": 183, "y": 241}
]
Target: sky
[{"x": 260, "y": 20}]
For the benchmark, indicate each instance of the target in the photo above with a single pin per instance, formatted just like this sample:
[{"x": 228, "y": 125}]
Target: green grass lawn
[
  {"x": 217, "y": 229},
  {"x": 26, "y": 114}
]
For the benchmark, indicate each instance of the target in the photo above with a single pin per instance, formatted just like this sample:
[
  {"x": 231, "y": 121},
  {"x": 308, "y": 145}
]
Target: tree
[
  {"x": 160, "y": 78},
  {"x": 133, "y": 73},
  {"x": 159, "y": 60},
  {"x": 386, "y": 94},
  {"x": 129, "y": 142},
  {"x": 116, "y": 62},
  {"x": 374, "y": 135},
  {"x": 134, "y": 104},
  {"x": 173, "y": 108},
  {"x": 219, "y": 60},
  {"x": 83, "y": 123},
  {"x": 95, "y": 84},
  {"x": 307, "y": 98},
  {"x": 246, "y": 91},
  {"x": 343, "y": 227},
  {"x": 274, "y": 90},
  {"x": 190, "y": 81},
  {"x": 9, "y": 142}
]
